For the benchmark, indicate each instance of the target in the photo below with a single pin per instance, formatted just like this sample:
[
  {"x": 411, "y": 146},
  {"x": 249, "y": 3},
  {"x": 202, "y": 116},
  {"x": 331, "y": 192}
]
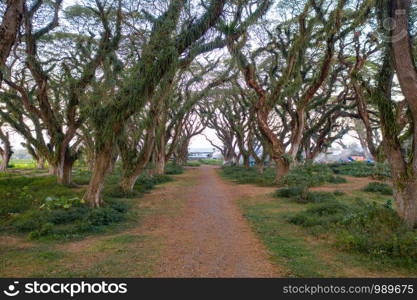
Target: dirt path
[{"x": 211, "y": 238}]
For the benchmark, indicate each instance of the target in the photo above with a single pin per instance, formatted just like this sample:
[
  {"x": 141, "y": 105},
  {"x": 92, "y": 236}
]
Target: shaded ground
[{"x": 211, "y": 238}]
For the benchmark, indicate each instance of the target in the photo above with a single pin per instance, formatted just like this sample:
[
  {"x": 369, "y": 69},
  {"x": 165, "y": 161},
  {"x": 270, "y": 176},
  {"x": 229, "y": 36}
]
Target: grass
[
  {"x": 306, "y": 175},
  {"x": 362, "y": 169},
  {"x": 379, "y": 187},
  {"x": 173, "y": 169},
  {"x": 249, "y": 175},
  {"x": 193, "y": 163},
  {"x": 218, "y": 162},
  {"x": 118, "y": 250},
  {"x": 39, "y": 208},
  {"x": 329, "y": 239}
]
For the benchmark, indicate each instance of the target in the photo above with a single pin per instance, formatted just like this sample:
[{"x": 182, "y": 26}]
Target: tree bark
[
  {"x": 9, "y": 28},
  {"x": 282, "y": 169},
  {"x": 64, "y": 172},
  {"x": 93, "y": 194},
  {"x": 405, "y": 174},
  {"x": 40, "y": 163},
  {"x": 406, "y": 204},
  {"x": 103, "y": 162},
  {"x": 6, "y": 155}
]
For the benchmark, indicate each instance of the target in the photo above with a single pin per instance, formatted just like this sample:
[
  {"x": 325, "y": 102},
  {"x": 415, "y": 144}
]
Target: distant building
[{"x": 201, "y": 153}]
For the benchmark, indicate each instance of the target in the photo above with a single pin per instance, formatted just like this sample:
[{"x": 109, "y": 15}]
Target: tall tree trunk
[
  {"x": 8, "y": 30},
  {"x": 160, "y": 164},
  {"x": 131, "y": 172},
  {"x": 260, "y": 166},
  {"x": 405, "y": 198},
  {"x": 246, "y": 161},
  {"x": 6, "y": 151},
  {"x": 40, "y": 163},
  {"x": 405, "y": 175},
  {"x": 5, "y": 160},
  {"x": 282, "y": 168},
  {"x": 64, "y": 172},
  {"x": 102, "y": 164},
  {"x": 93, "y": 194}
]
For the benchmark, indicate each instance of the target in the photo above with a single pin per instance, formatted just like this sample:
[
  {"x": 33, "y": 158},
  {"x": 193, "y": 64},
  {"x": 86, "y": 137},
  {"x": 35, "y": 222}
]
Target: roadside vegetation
[
  {"x": 313, "y": 216},
  {"x": 216, "y": 162},
  {"x": 39, "y": 208}
]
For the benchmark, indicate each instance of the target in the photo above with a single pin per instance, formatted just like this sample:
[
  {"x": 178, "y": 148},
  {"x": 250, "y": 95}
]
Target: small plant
[
  {"x": 322, "y": 214},
  {"x": 337, "y": 179},
  {"x": 60, "y": 202},
  {"x": 300, "y": 194},
  {"x": 173, "y": 169},
  {"x": 292, "y": 191},
  {"x": 379, "y": 187}
]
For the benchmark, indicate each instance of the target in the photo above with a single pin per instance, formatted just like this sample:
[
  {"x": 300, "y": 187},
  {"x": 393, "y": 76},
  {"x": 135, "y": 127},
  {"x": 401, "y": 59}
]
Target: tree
[
  {"x": 9, "y": 28},
  {"x": 175, "y": 39},
  {"x": 398, "y": 57},
  {"x": 5, "y": 150},
  {"x": 290, "y": 81}
]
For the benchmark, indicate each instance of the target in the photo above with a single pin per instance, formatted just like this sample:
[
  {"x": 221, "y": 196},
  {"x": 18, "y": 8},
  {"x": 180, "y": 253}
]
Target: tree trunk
[
  {"x": 260, "y": 167},
  {"x": 160, "y": 164},
  {"x": 93, "y": 194},
  {"x": 282, "y": 167},
  {"x": 5, "y": 161},
  {"x": 405, "y": 195},
  {"x": 52, "y": 169},
  {"x": 40, "y": 163},
  {"x": 246, "y": 161},
  {"x": 9, "y": 28},
  {"x": 64, "y": 172},
  {"x": 128, "y": 182}
]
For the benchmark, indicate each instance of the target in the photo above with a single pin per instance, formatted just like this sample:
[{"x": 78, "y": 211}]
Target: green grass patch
[
  {"x": 193, "y": 163},
  {"x": 362, "y": 169},
  {"x": 249, "y": 175},
  {"x": 217, "y": 162},
  {"x": 173, "y": 169},
  {"x": 41, "y": 209},
  {"x": 379, "y": 187}
]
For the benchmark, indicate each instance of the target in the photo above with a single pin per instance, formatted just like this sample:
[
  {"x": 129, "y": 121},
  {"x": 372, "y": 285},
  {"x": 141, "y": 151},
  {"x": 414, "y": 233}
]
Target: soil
[{"x": 211, "y": 238}]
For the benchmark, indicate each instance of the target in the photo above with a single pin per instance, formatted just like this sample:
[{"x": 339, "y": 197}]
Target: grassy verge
[
  {"x": 310, "y": 243},
  {"x": 121, "y": 249},
  {"x": 38, "y": 208},
  {"x": 217, "y": 162}
]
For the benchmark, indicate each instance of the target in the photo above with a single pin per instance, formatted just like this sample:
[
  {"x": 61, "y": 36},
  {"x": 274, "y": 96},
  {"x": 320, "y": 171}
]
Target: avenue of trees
[{"x": 133, "y": 81}]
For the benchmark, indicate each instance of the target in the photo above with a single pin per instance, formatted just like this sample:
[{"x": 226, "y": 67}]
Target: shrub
[
  {"x": 336, "y": 179},
  {"x": 378, "y": 231},
  {"x": 103, "y": 216},
  {"x": 311, "y": 175},
  {"x": 292, "y": 191},
  {"x": 362, "y": 169},
  {"x": 379, "y": 187},
  {"x": 29, "y": 221},
  {"x": 308, "y": 175},
  {"x": 322, "y": 214},
  {"x": 300, "y": 194},
  {"x": 58, "y": 223},
  {"x": 193, "y": 164},
  {"x": 250, "y": 175},
  {"x": 173, "y": 169},
  {"x": 218, "y": 162}
]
